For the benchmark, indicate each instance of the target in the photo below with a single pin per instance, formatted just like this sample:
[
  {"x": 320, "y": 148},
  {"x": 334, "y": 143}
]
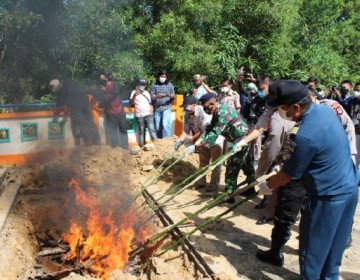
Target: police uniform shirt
[
  {"x": 264, "y": 120},
  {"x": 279, "y": 127},
  {"x": 322, "y": 155},
  {"x": 345, "y": 121}
]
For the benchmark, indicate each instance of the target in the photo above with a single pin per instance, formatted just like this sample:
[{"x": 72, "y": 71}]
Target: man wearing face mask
[
  {"x": 228, "y": 96},
  {"x": 344, "y": 94},
  {"x": 162, "y": 95},
  {"x": 290, "y": 196},
  {"x": 228, "y": 123},
  {"x": 115, "y": 117},
  {"x": 357, "y": 87},
  {"x": 353, "y": 106},
  {"x": 254, "y": 109},
  {"x": 321, "y": 92},
  {"x": 140, "y": 99},
  {"x": 198, "y": 121},
  {"x": 322, "y": 150}
]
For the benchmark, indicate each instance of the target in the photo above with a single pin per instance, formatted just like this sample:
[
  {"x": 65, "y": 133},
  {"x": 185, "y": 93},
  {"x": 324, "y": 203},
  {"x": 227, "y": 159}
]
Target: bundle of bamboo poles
[
  {"x": 216, "y": 201},
  {"x": 199, "y": 227},
  {"x": 156, "y": 204}
]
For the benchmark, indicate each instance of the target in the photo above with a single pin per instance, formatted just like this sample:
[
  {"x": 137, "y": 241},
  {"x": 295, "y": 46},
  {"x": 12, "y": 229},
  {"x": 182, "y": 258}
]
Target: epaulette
[{"x": 295, "y": 129}]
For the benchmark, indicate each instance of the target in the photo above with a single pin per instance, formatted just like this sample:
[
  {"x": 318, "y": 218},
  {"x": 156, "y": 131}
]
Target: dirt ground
[{"x": 228, "y": 245}]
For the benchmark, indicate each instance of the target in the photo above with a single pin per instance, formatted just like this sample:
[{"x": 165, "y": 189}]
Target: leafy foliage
[{"x": 74, "y": 39}]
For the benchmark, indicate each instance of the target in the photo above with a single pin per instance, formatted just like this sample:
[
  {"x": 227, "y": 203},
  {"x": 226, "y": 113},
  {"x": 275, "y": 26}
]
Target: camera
[
  {"x": 247, "y": 70},
  {"x": 334, "y": 88},
  {"x": 204, "y": 77},
  {"x": 244, "y": 71}
]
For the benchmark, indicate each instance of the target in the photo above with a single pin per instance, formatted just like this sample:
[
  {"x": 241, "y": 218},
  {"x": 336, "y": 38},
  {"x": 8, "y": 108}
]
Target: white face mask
[
  {"x": 162, "y": 80},
  {"x": 141, "y": 88},
  {"x": 225, "y": 89},
  {"x": 282, "y": 114},
  {"x": 357, "y": 94}
]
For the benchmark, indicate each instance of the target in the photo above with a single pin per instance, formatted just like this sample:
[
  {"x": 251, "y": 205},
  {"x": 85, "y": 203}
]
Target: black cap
[
  {"x": 273, "y": 87},
  {"x": 141, "y": 82},
  {"x": 189, "y": 100},
  {"x": 206, "y": 97},
  {"x": 288, "y": 93}
]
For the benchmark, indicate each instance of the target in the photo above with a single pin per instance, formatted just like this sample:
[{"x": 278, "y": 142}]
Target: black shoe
[
  {"x": 248, "y": 192},
  {"x": 230, "y": 200},
  {"x": 263, "y": 220},
  {"x": 199, "y": 186},
  {"x": 261, "y": 204},
  {"x": 274, "y": 258}
]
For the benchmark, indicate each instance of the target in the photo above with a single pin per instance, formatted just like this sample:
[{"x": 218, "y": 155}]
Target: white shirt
[
  {"x": 142, "y": 103},
  {"x": 200, "y": 92}
]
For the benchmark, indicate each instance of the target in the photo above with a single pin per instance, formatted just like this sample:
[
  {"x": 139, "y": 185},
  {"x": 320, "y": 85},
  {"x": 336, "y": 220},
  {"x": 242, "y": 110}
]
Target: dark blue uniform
[{"x": 322, "y": 161}]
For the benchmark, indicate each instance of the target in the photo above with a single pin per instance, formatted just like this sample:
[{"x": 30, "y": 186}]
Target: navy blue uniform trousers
[{"x": 324, "y": 229}]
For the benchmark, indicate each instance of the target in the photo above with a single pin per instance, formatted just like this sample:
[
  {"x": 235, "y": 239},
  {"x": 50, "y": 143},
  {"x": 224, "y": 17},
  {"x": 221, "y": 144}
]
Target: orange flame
[{"x": 104, "y": 236}]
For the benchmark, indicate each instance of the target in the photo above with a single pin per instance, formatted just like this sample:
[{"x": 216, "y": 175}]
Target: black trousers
[
  {"x": 83, "y": 126},
  {"x": 289, "y": 201},
  {"x": 117, "y": 130}
]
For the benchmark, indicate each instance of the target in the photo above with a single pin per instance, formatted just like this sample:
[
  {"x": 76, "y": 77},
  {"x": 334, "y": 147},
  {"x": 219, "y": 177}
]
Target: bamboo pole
[
  {"x": 151, "y": 180},
  {"x": 207, "y": 222},
  {"x": 206, "y": 207},
  {"x": 154, "y": 205},
  {"x": 176, "y": 189},
  {"x": 207, "y": 170}
]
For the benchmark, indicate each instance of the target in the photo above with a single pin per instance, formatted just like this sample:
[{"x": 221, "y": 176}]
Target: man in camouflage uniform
[{"x": 228, "y": 123}]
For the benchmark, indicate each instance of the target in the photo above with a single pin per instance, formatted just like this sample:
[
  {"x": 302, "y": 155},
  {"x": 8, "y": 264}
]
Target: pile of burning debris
[
  {"x": 95, "y": 251},
  {"x": 114, "y": 226}
]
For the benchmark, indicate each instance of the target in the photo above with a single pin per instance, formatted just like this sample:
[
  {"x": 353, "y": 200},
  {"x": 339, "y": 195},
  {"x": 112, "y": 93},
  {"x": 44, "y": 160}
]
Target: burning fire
[{"x": 105, "y": 242}]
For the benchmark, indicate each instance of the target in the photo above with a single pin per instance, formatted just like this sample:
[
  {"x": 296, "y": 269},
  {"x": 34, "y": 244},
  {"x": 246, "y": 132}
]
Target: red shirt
[{"x": 113, "y": 104}]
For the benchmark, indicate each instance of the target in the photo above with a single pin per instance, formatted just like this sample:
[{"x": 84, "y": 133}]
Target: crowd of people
[
  {"x": 306, "y": 136},
  {"x": 305, "y": 133},
  {"x": 152, "y": 109}
]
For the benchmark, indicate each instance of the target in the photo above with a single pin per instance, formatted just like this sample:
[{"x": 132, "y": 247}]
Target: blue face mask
[
  {"x": 319, "y": 95},
  {"x": 261, "y": 93}
]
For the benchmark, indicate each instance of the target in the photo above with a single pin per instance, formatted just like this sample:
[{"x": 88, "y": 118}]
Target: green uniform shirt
[{"x": 226, "y": 122}]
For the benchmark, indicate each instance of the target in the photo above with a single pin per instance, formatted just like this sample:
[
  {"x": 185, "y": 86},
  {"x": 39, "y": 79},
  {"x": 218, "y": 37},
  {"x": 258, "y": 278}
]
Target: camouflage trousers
[{"x": 236, "y": 163}]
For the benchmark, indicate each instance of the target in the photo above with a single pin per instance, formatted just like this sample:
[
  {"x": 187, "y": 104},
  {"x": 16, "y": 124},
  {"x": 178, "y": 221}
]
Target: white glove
[
  {"x": 178, "y": 144},
  {"x": 353, "y": 158},
  {"x": 264, "y": 189},
  {"x": 239, "y": 146},
  {"x": 190, "y": 150},
  {"x": 188, "y": 141}
]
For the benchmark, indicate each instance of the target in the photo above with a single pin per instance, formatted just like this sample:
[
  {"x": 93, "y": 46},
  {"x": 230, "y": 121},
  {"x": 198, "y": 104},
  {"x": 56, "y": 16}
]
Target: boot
[
  {"x": 262, "y": 203},
  {"x": 271, "y": 257}
]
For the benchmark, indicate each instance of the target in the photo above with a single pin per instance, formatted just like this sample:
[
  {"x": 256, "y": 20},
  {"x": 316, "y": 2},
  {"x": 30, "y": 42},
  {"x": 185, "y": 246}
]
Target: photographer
[
  {"x": 343, "y": 95},
  {"x": 242, "y": 73},
  {"x": 200, "y": 87}
]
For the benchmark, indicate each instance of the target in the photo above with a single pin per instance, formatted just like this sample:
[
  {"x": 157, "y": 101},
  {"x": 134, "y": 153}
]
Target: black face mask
[
  {"x": 102, "y": 83},
  {"x": 197, "y": 85},
  {"x": 344, "y": 91}
]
